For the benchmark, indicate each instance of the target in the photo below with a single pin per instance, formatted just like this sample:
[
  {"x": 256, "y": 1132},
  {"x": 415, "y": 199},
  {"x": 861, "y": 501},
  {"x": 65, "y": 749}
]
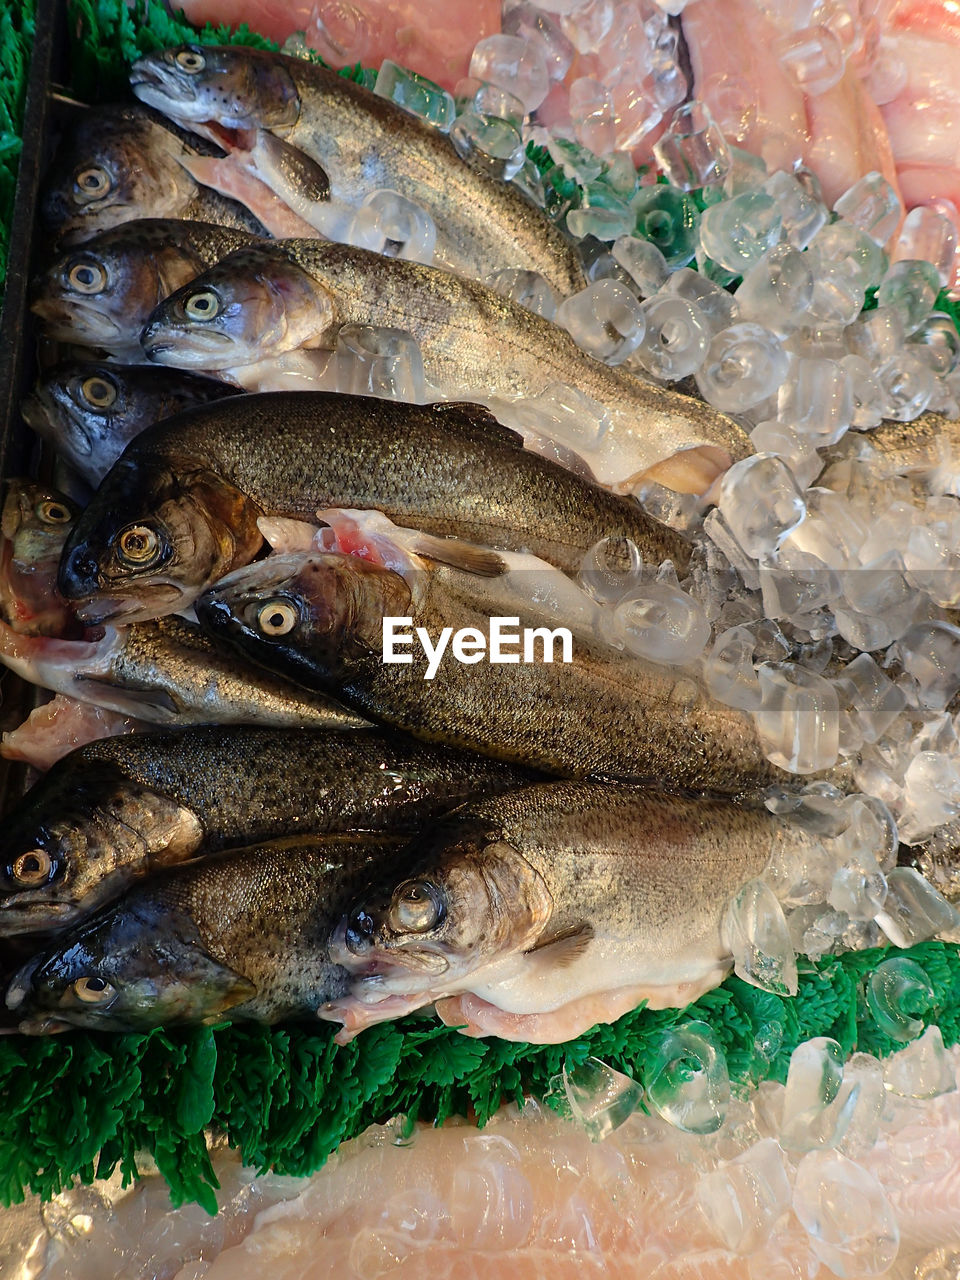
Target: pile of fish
[{"x": 291, "y": 555}]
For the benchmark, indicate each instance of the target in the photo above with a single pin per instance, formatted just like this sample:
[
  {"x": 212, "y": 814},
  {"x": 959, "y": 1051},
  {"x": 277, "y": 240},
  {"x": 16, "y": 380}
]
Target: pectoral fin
[
  {"x": 296, "y": 170},
  {"x": 460, "y": 555},
  {"x": 563, "y": 949}
]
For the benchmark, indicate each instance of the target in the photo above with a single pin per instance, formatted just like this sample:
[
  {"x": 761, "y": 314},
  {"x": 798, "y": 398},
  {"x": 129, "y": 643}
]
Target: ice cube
[
  {"x": 896, "y": 991},
  {"x": 605, "y": 223},
  {"x": 660, "y": 622},
  {"x": 922, "y": 1069},
  {"x": 605, "y": 319},
  {"x": 868, "y": 399},
  {"x": 693, "y": 152},
  {"x": 669, "y": 219},
  {"x": 529, "y": 288},
  {"x": 380, "y": 362},
  {"x": 777, "y": 291},
  {"x": 643, "y": 262},
  {"x": 938, "y": 342},
  {"x": 816, "y": 399},
  {"x": 813, "y": 58},
  {"x": 611, "y": 569},
  {"x": 849, "y": 247},
  {"x": 745, "y": 365},
  {"x": 515, "y": 64},
  {"x": 824, "y": 936},
  {"x": 869, "y": 702},
  {"x": 688, "y": 1084},
  {"x": 600, "y": 1099},
  {"x": 486, "y": 99},
  {"x": 816, "y": 1107},
  {"x": 760, "y": 502},
  {"x": 714, "y": 303},
  {"x": 802, "y": 214},
  {"x": 538, "y": 29},
  {"x": 391, "y": 224},
  {"x": 592, "y": 114},
  {"x": 852, "y": 1227},
  {"x": 928, "y": 236},
  {"x": 872, "y": 205},
  {"x": 796, "y": 453},
  {"x": 914, "y": 910},
  {"x": 493, "y": 144},
  {"x": 728, "y": 669},
  {"x": 910, "y": 288},
  {"x": 756, "y": 933},
  {"x": 574, "y": 418},
  {"x": 737, "y": 233},
  {"x": 798, "y": 719},
  {"x": 859, "y": 887},
  {"x": 675, "y": 338},
  {"x": 587, "y": 24},
  {"x": 743, "y": 1199},
  {"x": 930, "y": 652},
  {"x": 837, "y": 295},
  {"x": 864, "y": 1073},
  {"x": 416, "y": 94}
]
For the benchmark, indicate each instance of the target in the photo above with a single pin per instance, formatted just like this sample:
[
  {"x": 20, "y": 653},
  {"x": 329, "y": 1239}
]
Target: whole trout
[
  {"x": 116, "y": 809},
  {"x": 243, "y": 934},
  {"x": 318, "y": 619},
  {"x": 180, "y": 507},
  {"x": 364, "y": 144},
  {"x": 475, "y": 344},
  {"x": 536, "y": 914}
]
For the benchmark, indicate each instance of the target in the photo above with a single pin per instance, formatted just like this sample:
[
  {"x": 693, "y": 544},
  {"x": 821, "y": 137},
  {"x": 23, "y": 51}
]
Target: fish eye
[
  {"x": 138, "y": 545},
  {"x": 277, "y": 617},
  {"x": 93, "y": 182},
  {"x": 87, "y": 276},
  {"x": 204, "y": 305},
  {"x": 416, "y": 907},
  {"x": 33, "y": 868},
  {"x": 98, "y": 392},
  {"x": 52, "y": 512},
  {"x": 93, "y": 990},
  {"x": 191, "y": 60}
]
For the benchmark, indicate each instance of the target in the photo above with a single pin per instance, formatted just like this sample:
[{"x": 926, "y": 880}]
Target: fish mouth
[
  {"x": 152, "y": 600},
  {"x": 43, "y": 1025},
  {"x": 18, "y": 988},
  {"x": 73, "y": 320},
  {"x": 34, "y": 917},
  {"x": 192, "y": 346}
]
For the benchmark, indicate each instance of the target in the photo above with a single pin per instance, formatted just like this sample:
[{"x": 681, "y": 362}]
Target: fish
[
  {"x": 34, "y": 521},
  {"x": 241, "y": 935},
  {"x": 277, "y": 297},
  {"x": 101, "y": 293},
  {"x": 930, "y": 443},
  {"x": 116, "y": 809},
  {"x": 364, "y": 143},
  {"x": 166, "y": 672},
  {"x": 556, "y": 895},
  {"x": 317, "y": 618},
  {"x": 90, "y": 411},
  {"x": 180, "y": 507},
  {"x": 122, "y": 161}
]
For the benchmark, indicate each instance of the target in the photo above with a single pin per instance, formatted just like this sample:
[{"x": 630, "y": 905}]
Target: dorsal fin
[{"x": 476, "y": 420}]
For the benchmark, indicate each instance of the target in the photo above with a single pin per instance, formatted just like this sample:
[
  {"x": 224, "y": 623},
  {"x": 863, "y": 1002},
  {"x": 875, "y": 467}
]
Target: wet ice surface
[{"x": 848, "y": 1170}]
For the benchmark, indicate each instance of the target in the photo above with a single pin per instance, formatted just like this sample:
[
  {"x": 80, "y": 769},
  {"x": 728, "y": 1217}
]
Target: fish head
[
  {"x": 218, "y": 90},
  {"x": 152, "y": 538},
  {"x": 82, "y": 842},
  {"x": 254, "y": 303},
  {"x": 34, "y": 523},
  {"x": 101, "y": 292},
  {"x": 78, "y": 408},
  {"x": 308, "y": 616},
  {"x": 471, "y": 902},
  {"x": 138, "y": 964},
  {"x": 116, "y": 164}
]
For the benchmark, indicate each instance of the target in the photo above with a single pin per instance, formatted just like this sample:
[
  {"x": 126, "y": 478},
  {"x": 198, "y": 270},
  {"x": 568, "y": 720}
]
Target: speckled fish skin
[
  {"x": 122, "y": 161},
  {"x": 199, "y": 482},
  {"x": 90, "y": 411},
  {"x": 629, "y": 885},
  {"x": 115, "y": 809},
  {"x": 101, "y": 293},
  {"x": 917, "y": 446},
  {"x": 364, "y": 143},
  {"x": 167, "y": 672},
  {"x": 604, "y": 714},
  {"x": 473, "y": 341},
  {"x": 242, "y": 935}
]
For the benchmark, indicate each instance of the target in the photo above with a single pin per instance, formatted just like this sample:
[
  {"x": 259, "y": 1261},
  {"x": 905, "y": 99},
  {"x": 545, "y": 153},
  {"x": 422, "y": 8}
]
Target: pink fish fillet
[
  {"x": 433, "y": 37},
  {"x": 58, "y": 727}
]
